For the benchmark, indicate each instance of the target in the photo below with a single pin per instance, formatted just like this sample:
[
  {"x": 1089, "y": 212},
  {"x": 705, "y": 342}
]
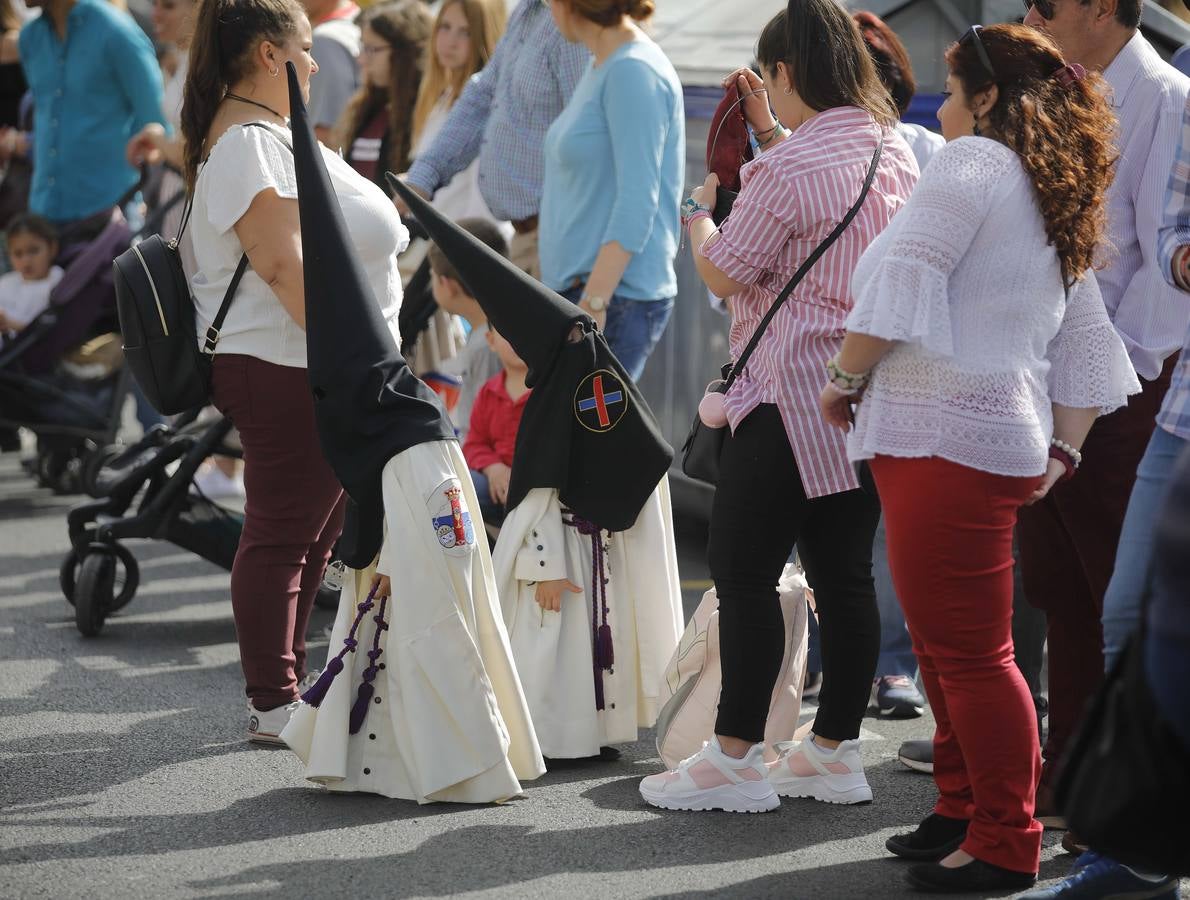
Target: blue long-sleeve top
[
  {"x": 614, "y": 171},
  {"x": 92, "y": 91}
]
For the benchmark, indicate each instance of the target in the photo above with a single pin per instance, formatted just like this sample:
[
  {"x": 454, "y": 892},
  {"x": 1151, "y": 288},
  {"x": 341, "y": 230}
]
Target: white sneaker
[
  {"x": 212, "y": 483},
  {"x": 710, "y": 779},
  {"x": 265, "y": 727},
  {"x": 805, "y": 769}
]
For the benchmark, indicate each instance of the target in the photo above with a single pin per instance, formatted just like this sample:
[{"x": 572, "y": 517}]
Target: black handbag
[
  {"x": 157, "y": 321},
  {"x": 704, "y": 445},
  {"x": 1124, "y": 786}
]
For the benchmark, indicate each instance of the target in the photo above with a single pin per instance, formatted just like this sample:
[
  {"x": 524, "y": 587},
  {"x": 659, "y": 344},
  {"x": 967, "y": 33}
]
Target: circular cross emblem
[{"x": 600, "y": 401}]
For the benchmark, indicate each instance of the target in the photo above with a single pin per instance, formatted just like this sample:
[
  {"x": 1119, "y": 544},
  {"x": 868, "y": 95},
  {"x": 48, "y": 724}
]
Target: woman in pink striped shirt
[{"x": 784, "y": 475}]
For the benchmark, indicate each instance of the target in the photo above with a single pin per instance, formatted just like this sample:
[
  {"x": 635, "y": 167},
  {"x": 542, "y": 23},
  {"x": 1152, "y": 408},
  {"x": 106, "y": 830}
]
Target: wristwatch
[{"x": 595, "y": 303}]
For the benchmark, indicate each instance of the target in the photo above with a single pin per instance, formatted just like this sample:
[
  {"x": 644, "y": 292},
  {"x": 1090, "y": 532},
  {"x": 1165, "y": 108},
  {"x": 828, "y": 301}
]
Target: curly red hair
[{"x": 1062, "y": 129}]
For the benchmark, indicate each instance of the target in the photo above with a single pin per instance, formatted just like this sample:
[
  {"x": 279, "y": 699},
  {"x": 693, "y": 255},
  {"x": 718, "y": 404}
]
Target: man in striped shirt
[
  {"x": 502, "y": 117},
  {"x": 1068, "y": 541}
]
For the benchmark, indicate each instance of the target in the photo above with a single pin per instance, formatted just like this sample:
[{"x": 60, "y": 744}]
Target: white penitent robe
[
  {"x": 554, "y": 650},
  {"x": 448, "y": 720}
]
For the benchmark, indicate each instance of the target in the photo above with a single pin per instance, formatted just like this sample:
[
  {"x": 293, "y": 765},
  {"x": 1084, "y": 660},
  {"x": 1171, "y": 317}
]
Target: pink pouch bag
[{"x": 690, "y": 692}]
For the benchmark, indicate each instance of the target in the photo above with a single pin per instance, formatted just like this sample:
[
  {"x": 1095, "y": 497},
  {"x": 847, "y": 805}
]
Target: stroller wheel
[
  {"x": 126, "y": 578},
  {"x": 94, "y": 592}
]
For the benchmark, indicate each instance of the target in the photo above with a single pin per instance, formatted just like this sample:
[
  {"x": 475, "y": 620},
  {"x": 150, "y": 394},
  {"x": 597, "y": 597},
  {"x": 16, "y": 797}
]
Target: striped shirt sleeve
[{"x": 762, "y": 221}]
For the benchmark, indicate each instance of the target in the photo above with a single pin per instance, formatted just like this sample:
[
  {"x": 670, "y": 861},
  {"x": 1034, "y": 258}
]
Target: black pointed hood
[
  {"x": 368, "y": 406},
  {"x": 586, "y": 429},
  {"x": 504, "y": 291}
]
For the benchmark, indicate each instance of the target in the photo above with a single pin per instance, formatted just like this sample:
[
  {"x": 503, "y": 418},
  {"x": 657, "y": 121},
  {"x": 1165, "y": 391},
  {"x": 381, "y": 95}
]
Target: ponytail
[{"x": 226, "y": 33}]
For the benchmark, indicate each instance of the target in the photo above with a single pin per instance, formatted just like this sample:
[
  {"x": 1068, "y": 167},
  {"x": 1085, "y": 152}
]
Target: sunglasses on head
[
  {"x": 1045, "y": 8},
  {"x": 972, "y": 37}
]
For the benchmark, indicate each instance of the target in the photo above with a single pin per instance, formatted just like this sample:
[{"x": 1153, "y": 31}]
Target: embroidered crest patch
[
  {"x": 600, "y": 401},
  {"x": 452, "y": 522}
]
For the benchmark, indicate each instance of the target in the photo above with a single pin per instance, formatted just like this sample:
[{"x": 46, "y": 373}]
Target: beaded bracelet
[
  {"x": 841, "y": 378},
  {"x": 1066, "y": 461},
  {"x": 1076, "y": 458}
]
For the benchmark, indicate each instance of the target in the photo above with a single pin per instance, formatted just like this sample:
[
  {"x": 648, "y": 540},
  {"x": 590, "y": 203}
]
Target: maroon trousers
[
  {"x": 292, "y": 518},
  {"x": 1068, "y": 551}
]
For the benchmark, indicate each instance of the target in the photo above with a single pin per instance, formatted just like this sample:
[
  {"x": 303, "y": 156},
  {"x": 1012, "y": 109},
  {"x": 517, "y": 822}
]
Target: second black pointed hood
[
  {"x": 586, "y": 430},
  {"x": 368, "y": 406}
]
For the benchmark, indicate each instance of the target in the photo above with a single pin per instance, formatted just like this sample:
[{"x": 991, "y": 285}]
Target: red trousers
[
  {"x": 292, "y": 518},
  {"x": 950, "y": 552},
  {"x": 1068, "y": 551}
]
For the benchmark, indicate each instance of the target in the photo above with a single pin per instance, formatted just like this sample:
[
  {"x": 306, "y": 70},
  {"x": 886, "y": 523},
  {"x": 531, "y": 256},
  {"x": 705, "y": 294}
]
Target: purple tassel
[
  {"x": 605, "y": 656},
  {"x": 598, "y": 688},
  {"x": 317, "y": 692},
  {"x": 359, "y": 711}
]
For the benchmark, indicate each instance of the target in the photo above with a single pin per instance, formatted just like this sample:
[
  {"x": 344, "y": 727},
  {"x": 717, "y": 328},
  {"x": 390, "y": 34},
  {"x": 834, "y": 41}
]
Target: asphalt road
[{"x": 124, "y": 773}]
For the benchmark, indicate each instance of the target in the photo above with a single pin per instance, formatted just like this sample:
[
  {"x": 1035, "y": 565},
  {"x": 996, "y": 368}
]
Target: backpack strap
[{"x": 212, "y": 334}]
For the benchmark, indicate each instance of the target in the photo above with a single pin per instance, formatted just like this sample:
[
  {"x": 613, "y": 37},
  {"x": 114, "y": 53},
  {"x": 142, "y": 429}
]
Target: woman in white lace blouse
[{"x": 984, "y": 353}]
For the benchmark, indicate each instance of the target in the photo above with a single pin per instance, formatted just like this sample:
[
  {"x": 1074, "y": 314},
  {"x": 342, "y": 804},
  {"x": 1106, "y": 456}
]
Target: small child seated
[
  {"x": 495, "y": 419},
  {"x": 476, "y": 362},
  {"x": 25, "y": 291}
]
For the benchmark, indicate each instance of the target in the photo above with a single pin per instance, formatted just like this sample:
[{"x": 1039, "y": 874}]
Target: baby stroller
[
  {"x": 74, "y": 411},
  {"x": 145, "y": 491}
]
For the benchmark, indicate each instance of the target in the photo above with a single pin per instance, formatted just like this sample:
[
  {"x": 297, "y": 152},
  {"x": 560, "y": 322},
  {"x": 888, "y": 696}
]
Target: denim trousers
[
  {"x": 633, "y": 327},
  {"x": 493, "y": 512},
  {"x": 1131, "y": 576}
]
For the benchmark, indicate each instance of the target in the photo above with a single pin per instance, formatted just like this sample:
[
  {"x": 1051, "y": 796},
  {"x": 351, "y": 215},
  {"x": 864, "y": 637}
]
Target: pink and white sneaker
[
  {"x": 805, "y": 769},
  {"x": 710, "y": 779}
]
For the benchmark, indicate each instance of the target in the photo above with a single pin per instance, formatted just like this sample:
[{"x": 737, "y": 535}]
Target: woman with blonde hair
[
  {"x": 984, "y": 352},
  {"x": 465, "y": 36}
]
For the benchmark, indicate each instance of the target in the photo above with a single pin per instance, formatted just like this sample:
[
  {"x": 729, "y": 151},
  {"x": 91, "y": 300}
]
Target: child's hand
[
  {"x": 549, "y": 593},
  {"x": 499, "y": 476},
  {"x": 382, "y": 586}
]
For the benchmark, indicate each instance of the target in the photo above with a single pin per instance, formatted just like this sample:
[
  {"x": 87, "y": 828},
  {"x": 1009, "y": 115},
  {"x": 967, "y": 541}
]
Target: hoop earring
[
  {"x": 274, "y": 72},
  {"x": 788, "y": 91}
]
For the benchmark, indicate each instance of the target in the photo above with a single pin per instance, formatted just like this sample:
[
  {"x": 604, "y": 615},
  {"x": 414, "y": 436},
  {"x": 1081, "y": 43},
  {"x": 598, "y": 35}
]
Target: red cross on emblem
[{"x": 600, "y": 400}]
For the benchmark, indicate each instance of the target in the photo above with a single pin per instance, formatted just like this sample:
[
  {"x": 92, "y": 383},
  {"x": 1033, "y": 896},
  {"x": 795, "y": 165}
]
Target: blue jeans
[
  {"x": 896, "y": 647},
  {"x": 633, "y": 327},
  {"x": 1130, "y": 578},
  {"x": 493, "y": 512}
]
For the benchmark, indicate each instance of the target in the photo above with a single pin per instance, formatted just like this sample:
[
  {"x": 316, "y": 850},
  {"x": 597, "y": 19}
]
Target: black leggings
[{"x": 760, "y": 512}]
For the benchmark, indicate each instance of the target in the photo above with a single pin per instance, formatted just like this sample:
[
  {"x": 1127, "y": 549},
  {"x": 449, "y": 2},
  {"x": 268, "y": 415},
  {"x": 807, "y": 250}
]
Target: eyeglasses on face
[
  {"x": 1045, "y": 8},
  {"x": 972, "y": 37}
]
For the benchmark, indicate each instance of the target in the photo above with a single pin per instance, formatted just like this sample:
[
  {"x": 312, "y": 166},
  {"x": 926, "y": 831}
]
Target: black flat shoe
[
  {"x": 936, "y": 837},
  {"x": 975, "y": 877}
]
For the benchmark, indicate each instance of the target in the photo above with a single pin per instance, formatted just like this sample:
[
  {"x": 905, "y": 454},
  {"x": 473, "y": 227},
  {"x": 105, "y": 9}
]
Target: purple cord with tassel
[
  {"x": 603, "y": 653},
  {"x": 363, "y": 699},
  {"x": 317, "y": 691}
]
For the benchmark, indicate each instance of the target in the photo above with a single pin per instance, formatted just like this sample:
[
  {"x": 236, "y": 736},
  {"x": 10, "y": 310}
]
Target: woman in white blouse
[
  {"x": 984, "y": 352},
  {"x": 239, "y": 166}
]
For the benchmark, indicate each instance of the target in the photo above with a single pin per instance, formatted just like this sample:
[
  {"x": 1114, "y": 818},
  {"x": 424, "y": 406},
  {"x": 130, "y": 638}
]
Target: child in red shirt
[{"x": 491, "y": 438}]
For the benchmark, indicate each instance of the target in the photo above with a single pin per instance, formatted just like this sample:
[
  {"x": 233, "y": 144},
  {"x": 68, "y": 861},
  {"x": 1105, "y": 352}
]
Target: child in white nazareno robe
[
  {"x": 419, "y": 698},
  {"x": 446, "y": 719},
  {"x": 548, "y": 579}
]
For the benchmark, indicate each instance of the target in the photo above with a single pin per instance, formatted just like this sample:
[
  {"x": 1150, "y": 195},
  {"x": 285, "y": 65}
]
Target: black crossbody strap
[
  {"x": 212, "y": 335},
  {"x": 803, "y": 269}
]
